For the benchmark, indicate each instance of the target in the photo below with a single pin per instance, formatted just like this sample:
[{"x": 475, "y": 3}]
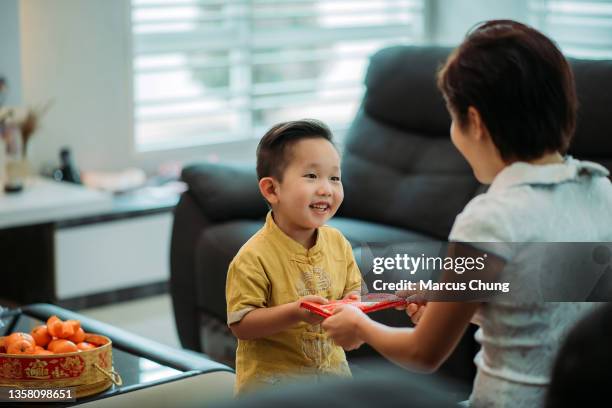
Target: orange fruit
[
  {"x": 41, "y": 335},
  {"x": 85, "y": 346},
  {"x": 95, "y": 339},
  {"x": 67, "y": 330},
  {"x": 43, "y": 352},
  {"x": 62, "y": 346},
  {"x": 54, "y": 326},
  {"x": 76, "y": 325},
  {"x": 2, "y": 344},
  {"x": 58, "y": 328},
  {"x": 78, "y": 335},
  {"x": 18, "y": 336},
  {"x": 21, "y": 346}
]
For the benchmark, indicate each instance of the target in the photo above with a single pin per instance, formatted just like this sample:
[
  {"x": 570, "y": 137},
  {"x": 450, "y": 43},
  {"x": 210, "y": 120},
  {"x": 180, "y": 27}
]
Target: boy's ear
[{"x": 268, "y": 188}]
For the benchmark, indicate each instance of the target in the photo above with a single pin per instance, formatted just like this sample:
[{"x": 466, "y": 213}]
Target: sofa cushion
[
  {"x": 594, "y": 121},
  {"x": 225, "y": 192},
  {"x": 402, "y": 92},
  {"x": 399, "y": 162},
  {"x": 359, "y": 232},
  {"x": 215, "y": 249},
  {"x": 396, "y": 177}
]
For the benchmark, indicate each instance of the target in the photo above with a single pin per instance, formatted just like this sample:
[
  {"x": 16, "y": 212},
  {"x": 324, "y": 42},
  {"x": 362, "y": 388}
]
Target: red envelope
[{"x": 368, "y": 303}]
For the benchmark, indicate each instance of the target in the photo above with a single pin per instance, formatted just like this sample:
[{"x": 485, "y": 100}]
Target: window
[
  {"x": 581, "y": 28},
  {"x": 209, "y": 71}
]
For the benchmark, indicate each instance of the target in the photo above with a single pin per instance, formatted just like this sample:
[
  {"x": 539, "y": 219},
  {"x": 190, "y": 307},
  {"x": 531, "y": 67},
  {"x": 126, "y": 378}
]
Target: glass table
[{"x": 140, "y": 368}]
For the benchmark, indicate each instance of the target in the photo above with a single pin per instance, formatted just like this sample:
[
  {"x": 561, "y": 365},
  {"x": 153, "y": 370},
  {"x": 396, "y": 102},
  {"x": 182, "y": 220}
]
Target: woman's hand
[
  {"x": 343, "y": 326},
  {"x": 415, "y": 311},
  {"x": 415, "y": 306}
]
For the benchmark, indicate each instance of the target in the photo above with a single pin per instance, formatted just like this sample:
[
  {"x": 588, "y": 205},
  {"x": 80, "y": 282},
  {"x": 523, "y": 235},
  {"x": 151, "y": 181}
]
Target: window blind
[
  {"x": 209, "y": 71},
  {"x": 581, "y": 28}
]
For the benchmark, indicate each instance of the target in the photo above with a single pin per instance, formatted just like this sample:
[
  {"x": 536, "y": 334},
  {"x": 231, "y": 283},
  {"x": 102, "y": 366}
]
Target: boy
[{"x": 293, "y": 258}]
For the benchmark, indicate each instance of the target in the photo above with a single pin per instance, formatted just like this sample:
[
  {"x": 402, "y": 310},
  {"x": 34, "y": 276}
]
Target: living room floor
[{"x": 149, "y": 317}]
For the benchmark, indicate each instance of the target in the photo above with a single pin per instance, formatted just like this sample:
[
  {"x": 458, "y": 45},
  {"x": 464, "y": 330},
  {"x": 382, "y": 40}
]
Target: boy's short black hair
[
  {"x": 521, "y": 84},
  {"x": 273, "y": 151}
]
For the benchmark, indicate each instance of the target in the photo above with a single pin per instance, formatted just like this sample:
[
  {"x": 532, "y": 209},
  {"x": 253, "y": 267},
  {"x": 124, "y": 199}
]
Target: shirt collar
[
  {"x": 522, "y": 173},
  {"x": 297, "y": 250}
]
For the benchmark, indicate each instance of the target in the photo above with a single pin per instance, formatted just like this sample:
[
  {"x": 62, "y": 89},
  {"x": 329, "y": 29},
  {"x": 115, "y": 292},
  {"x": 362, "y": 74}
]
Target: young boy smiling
[{"x": 293, "y": 258}]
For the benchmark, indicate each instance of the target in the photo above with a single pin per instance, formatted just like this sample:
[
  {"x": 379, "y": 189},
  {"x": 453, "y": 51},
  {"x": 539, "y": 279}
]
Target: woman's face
[{"x": 473, "y": 141}]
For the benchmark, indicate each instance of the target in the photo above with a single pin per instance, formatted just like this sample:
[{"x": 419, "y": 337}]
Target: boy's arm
[
  {"x": 248, "y": 315},
  {"x": 353, "y": 286},
  {"x": 267, "y": 321}
]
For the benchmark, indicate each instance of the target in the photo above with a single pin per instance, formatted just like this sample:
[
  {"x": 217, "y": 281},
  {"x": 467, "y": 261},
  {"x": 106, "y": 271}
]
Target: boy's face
[{"x": 311, "y": 190}]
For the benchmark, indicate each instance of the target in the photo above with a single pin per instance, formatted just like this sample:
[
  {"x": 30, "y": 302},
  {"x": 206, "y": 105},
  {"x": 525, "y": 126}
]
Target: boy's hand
[
  {"x": 353, "y": 296},
  {"x": 307, "y": 316}
]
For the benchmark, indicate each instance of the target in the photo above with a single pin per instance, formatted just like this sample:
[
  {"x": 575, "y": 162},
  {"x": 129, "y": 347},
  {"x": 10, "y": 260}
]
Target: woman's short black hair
[
  {"x": 273, "y": 151},
  {"x": 521, "y": 84}
]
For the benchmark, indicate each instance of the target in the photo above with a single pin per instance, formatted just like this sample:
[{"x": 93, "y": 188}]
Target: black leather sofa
[{"x": 404, "y": 182}]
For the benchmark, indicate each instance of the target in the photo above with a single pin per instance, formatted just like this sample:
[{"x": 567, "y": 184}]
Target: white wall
[
  {"x": 77, "y": 52},
  {"x": 10, "y": 49}
]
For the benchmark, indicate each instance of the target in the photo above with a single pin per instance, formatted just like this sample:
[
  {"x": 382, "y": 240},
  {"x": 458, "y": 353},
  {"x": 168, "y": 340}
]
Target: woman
[{"x": 511, "y": 95}]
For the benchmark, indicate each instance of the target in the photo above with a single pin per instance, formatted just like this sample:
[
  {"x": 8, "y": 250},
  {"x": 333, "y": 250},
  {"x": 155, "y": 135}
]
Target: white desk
[
  {"x": 44, "y": 201},
  {"x": 68, "y": 242}
]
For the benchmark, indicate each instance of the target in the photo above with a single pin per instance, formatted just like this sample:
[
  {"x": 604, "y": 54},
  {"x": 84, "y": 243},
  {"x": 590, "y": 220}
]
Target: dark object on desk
[
  {"x": 3, "y": 90},
  {"x": 13, "y": 188},
  {"x": 69, "y": 171},
  {"x": 12, "y": 140}
]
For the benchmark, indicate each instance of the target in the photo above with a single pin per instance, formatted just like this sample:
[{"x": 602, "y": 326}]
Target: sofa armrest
[{"x": 225, "y": 192}]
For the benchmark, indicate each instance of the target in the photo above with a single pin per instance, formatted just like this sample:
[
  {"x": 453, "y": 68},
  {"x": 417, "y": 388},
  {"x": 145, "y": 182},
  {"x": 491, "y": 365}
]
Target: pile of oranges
[{"x": 55, "y": 337}]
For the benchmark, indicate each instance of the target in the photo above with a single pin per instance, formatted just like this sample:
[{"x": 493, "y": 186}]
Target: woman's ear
[
  {"x": 268, "y": 188},
  {"x": 477, "y": 127}
]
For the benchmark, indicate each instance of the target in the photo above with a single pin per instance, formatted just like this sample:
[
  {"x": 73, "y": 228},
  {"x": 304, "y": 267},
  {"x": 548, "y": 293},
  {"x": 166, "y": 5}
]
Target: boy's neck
[{"x": 306, "y": 237}]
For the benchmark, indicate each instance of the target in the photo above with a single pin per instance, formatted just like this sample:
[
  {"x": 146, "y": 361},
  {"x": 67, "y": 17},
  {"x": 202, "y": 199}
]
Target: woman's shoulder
[
  {"x": 486, "y": 218},
  {"x": 602, "y": 188}
]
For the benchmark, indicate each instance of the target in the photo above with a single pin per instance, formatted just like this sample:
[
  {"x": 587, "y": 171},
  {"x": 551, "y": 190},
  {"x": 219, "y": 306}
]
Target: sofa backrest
[
  {"x": 399, "y": 165},
  {"x": 593, "y": 137}
]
